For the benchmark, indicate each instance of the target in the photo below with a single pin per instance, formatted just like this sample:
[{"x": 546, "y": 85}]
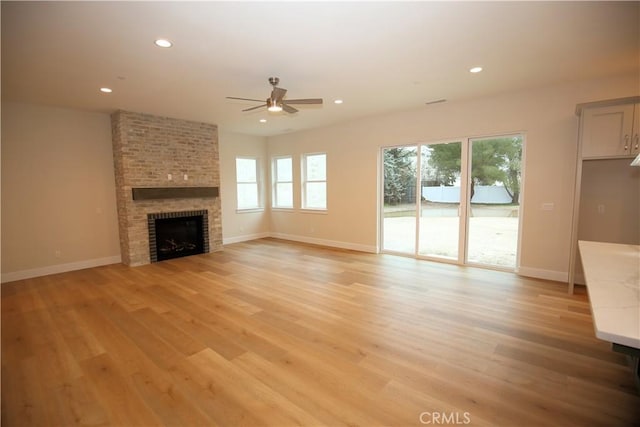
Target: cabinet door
[
  {"x": 607, "y": 131},
  {"x": 635, "y": 140}
]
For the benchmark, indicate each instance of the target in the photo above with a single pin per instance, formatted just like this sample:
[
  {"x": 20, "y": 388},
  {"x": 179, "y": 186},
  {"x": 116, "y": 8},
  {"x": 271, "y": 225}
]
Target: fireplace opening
[{"x": 177, "y": 234}]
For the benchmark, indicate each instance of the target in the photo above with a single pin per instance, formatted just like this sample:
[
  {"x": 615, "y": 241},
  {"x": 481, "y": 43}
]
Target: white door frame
[{"x": 465, "y": 203}]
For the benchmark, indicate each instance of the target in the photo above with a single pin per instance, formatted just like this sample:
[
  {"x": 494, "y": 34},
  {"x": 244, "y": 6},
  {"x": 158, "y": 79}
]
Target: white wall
[
  {"x": 240, "y": 226},
  {"x": 545, "y": 115},
  {"x": 352, "y": 188},
  {"x": 58, "y": 191},
  {"x": 613, "y": 186}
]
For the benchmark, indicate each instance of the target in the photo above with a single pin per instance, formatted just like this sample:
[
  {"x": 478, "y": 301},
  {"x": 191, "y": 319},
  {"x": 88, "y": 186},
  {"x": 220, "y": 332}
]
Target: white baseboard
[
  {"x": 324, "y": 242},
  {"x": 302, "y": 239},
  {"x": 245, "y": 238},
  {"x": 59, "y": 268},
  {"x": 557, "y": 276}
]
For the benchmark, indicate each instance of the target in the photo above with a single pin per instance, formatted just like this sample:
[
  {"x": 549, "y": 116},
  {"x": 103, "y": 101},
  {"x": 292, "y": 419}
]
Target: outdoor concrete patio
[{"x": 493, "y": 232}]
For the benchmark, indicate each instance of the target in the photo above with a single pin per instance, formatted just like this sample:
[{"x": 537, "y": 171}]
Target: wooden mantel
[{"x": 156, "y": 193}]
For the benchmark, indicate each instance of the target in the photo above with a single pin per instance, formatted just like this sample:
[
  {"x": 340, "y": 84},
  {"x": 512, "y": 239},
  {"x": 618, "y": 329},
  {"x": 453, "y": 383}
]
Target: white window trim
[
  {"x": 316, "y": 211},
  {"x": 260, "y": 206},
  {"x": 304, "y": 207},
  {"x": 275, "y": 182},
  {"x": 248, "y": 210}
]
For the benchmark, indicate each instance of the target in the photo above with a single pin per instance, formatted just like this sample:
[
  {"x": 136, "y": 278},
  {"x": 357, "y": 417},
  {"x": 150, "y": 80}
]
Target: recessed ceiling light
[
  {"x": 263, "y": 120},
  {"x": 106, "y": 90},
  {"x": 163, "y": 43},
  {"x": 338, "y": 101},
  {"x": 475, "y": 70}
]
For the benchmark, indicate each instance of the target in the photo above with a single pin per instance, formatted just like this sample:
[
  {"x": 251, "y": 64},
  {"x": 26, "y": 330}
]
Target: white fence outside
[{"x": 483, "y": 194}]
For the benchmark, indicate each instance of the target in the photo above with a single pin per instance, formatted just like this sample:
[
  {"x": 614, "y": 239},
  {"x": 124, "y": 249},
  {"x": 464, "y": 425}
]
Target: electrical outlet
[
  {"x": 601, "y": 209},
  {"x": 169, "y": 177},
  {"x": 58, "y": 253}
]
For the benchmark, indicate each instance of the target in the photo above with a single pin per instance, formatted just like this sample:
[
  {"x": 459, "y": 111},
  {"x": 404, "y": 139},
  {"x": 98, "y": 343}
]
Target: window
[
  {"x": 314, "y": 188},
  {"x": 247, "y": 180},
  {"x": 283, "y": 182}
]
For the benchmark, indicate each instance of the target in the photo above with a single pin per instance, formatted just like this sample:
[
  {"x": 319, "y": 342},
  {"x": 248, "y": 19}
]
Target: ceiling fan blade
[
  {"x": 277, "y": 94},
  {"x": 255, "y": 108},
  {"x": 288, "y": 109},
  {"x": 245, "y": 99},
  {"x": 304, "y": 101}
]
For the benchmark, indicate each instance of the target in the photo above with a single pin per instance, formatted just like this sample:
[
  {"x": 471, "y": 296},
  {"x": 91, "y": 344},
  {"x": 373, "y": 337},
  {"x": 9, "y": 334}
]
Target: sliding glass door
[
  {"x": 494, "y": 201},
  {"x": 456, "y": 201},
  {"x": 439, "y": 226},
  {"x": 399, "y": 207}
]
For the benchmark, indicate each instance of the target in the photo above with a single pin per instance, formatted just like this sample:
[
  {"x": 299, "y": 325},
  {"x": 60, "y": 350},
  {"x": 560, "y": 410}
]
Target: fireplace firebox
[{"x": 177, "y": 234}]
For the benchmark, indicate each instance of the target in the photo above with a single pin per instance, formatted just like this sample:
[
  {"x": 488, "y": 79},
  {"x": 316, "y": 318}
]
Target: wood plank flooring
[{"x": 274, "y": 333}]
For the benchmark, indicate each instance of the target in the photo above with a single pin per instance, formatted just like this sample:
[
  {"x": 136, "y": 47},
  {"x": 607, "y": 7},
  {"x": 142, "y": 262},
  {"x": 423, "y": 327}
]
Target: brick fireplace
[{"x": 163, "y": 167}]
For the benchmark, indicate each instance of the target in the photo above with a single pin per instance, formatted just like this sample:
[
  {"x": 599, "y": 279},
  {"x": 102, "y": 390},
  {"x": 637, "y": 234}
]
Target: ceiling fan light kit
[
  {"x": 276, "y": 102},
  {"x": 273, "y": 106}
]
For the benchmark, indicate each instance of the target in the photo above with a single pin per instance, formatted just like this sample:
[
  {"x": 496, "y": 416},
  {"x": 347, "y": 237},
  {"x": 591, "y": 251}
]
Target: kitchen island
[{"x": 612, "y": 275}]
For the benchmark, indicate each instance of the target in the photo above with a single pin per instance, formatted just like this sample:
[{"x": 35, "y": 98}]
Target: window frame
[
  {"x": 275, "y": 182},
  {"x": 305, "y": 181},
  {"x": 257, "y": 182}
]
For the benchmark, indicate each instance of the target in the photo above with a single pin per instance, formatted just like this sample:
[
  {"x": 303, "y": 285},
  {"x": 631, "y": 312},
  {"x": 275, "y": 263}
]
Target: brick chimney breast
[{"x": 146, "y": 150}]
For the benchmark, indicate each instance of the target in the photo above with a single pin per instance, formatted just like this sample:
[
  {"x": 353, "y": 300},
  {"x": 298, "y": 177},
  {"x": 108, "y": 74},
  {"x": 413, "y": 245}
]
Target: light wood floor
[{"x": 276, "y": 333}]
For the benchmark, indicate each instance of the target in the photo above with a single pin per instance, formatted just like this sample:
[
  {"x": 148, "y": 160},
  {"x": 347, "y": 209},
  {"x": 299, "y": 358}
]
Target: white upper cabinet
[{"x": 611, "y": 131}]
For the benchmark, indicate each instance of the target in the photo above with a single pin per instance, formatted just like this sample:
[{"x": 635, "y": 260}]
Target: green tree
[
  {"x": 496, "y": 160},
  {"x": 513, "y": 167},
  {"x": 399, "y": 173},
  {"x": 444, "y": 161}
]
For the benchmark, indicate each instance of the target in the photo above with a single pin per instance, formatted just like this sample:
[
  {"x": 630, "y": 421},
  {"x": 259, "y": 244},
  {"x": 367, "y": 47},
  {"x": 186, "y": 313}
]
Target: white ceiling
[{"x": 378, "y": 57}]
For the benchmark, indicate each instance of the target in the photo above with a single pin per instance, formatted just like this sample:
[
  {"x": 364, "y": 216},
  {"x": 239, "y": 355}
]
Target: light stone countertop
[{"x": 612, "y": 273}]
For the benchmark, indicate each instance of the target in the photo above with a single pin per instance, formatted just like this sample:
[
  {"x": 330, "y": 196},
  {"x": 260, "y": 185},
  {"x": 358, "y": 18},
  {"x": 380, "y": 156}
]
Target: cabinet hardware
[{"x": 626, "y": 142}]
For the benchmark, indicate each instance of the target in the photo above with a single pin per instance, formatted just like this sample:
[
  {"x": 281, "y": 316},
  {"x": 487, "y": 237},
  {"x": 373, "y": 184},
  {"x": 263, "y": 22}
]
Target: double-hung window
[
  {"x": 314, "y": 186},
  {"x": 282, "y": 182},
  {"x": 247, "y": 181}
]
